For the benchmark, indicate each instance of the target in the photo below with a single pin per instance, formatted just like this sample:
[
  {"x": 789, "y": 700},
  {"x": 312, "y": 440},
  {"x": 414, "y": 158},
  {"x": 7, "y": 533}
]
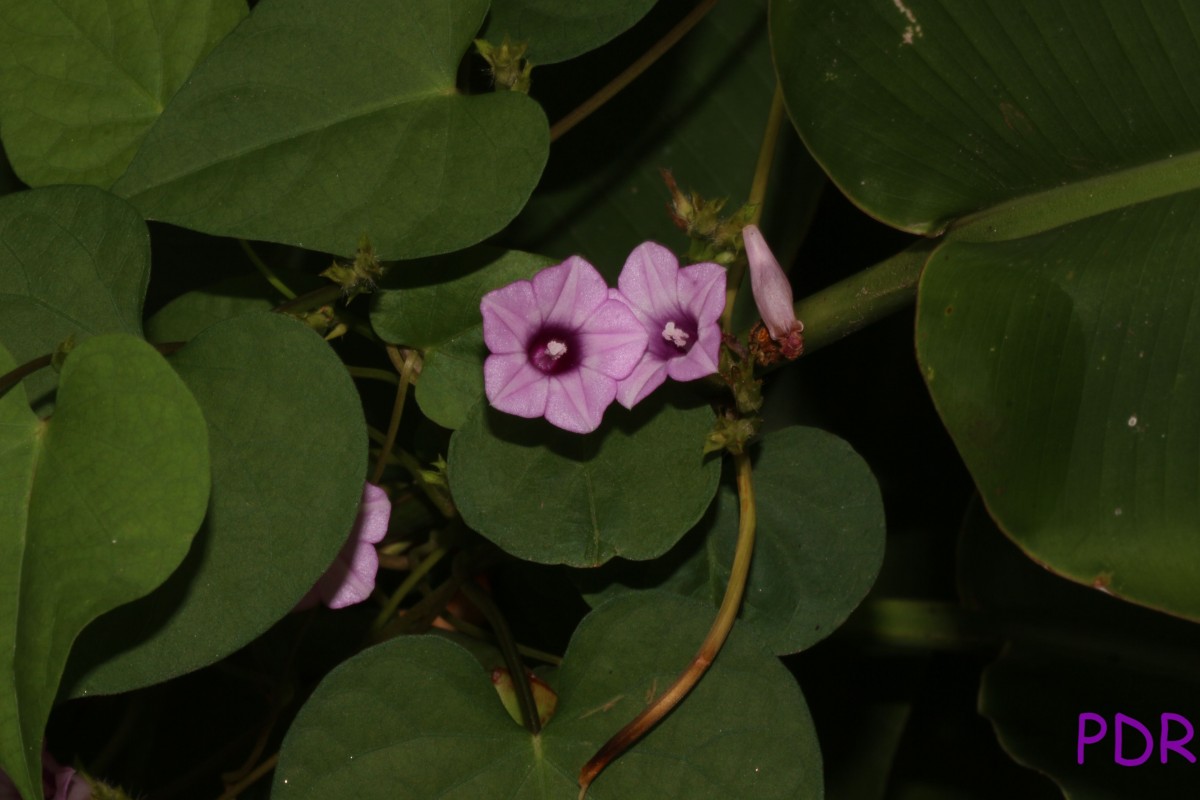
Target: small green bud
[
  {"x": 61, "y": 352},
  {"x": 359, "y": 277},
  {"x": 510, "y": 69}
]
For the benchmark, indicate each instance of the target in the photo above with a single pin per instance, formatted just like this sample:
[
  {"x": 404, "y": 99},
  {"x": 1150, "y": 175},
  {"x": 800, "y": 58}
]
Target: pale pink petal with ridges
[
  {"x": 645, "y": 378},
  {"x": 577, "y": 400},
  {"x": 515, "y": 386},
  {"x": 569, "y": 292},
  {"x": 510, "y": 317},
  {"x": 702, "y": 291},
  {"x": 613, "y": 340},
  {"x": 648, "y": 278}
]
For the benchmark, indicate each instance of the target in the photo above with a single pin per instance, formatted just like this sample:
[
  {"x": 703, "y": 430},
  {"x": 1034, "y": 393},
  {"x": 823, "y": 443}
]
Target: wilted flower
[
  {"x": 559, "y": 345},
  {"x": 772, "y": 294},
  {"x": 680, "y": 309},
  {"x": 58, "y": 782},
  {"x": 351, "y": 578}
]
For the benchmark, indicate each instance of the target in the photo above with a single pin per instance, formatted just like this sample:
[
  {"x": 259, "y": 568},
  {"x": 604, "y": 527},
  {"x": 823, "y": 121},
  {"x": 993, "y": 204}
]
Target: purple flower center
[
  {"x": 554, "y": 350},
  {"x": 676, "y": 335}
]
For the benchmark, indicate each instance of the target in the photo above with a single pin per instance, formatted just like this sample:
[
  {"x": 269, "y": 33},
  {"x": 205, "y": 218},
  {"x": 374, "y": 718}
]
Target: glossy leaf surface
[
  {"x": 923, "y": 113},
  {"x": 1067, "y": 368},
  {"x": 1061, "y": 139}
]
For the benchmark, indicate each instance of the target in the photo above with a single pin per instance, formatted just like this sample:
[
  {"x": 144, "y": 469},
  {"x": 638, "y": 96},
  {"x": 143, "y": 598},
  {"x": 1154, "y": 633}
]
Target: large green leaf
[
  {"x": 818, "y": 548},
  {"x": 433, "y": 304},
  {"x": 418, "y": 718},
  {"x": 1067, "y": 368},
  {"x": 1072, "y": 651},
  {"x": 556, "y": 30},
  {"x": 81, "y": 82},
  {"x": 700, "y": 112},
  {"x": 74, "y": 261},
  {"x": 98, "y": 505},
  {"x": 289, "y": 456},
  {"x": 925, "y": 112},
  {"x": 1060, "y": 138},
  {"x": 314, "y": 123},
  {"x": 632, "y": 488}
]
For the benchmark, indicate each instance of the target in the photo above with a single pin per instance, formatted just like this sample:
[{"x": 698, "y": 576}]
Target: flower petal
[
  {"x": 374, "y": 512},
  {"x": 515, "y": 386},
  {"x": 352, "y": 578},
  {"x": 648, "y": 279},
  {"x": 510, "y": 317},
  {"x": 612, "y": 340},
  {"x": 645, "y": 378},
  {"x": 701, "y": 360},
  {"x": 702, "y": 291},
  {"x": 569, "y": 293},
  {"x": 577, "y": 399}
]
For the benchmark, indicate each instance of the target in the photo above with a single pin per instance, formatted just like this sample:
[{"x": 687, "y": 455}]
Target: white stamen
[
  {"x": 555, "y": 349},
  {"x": 675, "y": 336}
]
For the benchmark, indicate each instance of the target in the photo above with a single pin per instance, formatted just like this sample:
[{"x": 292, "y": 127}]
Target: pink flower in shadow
[
  {"x": 351, "y": 578},
  {"x": 58, "y": 782}
]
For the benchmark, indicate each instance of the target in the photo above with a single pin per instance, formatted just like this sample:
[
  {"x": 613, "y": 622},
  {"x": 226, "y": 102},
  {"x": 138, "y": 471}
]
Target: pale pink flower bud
[{"x": 772, "y": 290}]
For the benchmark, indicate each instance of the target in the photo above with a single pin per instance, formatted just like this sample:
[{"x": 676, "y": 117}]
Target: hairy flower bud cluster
[{"x": 564, "y": 345}]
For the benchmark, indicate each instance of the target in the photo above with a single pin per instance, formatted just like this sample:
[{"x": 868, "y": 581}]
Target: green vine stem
[
  {"x": 625, "y": 738},
  {"x": 407, "y": 366},
  {"x": 415, "y": 577},
  {"x": 865, "y": 297},
  {"x": 630, "y": 73},
  {"x": 266, "y": 271},
  {"x": 475, "y": 632},
  {"x": 508, "y": 646}
]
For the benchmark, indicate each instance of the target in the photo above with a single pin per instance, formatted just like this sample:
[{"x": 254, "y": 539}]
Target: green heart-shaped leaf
[
  {"x": 278, "y": 137},
  {"x": 632, "y": 488},
  {"x": 81, "y": 82},
  {"x": 98, "y": 505},
  {"x": 74, "y": 261},
  {"x": 289, "y": 457},
  {"x": 418, "y": 718},
  {"x": 818, "y": 546}
]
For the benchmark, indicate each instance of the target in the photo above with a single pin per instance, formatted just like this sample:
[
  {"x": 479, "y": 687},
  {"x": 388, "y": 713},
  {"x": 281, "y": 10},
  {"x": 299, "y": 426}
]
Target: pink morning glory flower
[
  {"x": 772, "y": 293},
  {"x": 58, "y": 782},
  {"x": 559, "y": 345},
  {"x": 351, "y": 578},
  {"x": 680, "y": 310}
]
